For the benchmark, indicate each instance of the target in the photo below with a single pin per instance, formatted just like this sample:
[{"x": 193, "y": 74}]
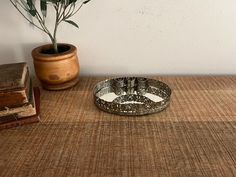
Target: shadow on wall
[{"x": 15, "y": 53}]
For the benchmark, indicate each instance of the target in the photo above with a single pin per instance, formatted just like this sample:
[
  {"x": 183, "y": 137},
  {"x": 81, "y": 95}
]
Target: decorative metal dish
[{"x": 132, "y": 95}]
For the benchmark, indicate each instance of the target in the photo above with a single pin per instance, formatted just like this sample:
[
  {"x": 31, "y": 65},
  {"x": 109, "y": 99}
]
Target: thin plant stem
[
  {"x": 26, "y": 17},
  {"x": 63, "y": 9}
]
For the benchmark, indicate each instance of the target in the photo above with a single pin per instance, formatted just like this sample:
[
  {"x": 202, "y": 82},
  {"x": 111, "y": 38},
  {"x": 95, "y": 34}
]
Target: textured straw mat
[{"x": 195, "y": 136}]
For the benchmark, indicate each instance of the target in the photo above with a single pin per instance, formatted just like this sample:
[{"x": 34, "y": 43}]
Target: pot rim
[{"x": 38, "y": 55}]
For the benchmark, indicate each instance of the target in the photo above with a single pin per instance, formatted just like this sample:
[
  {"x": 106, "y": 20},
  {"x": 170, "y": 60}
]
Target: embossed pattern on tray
[{"x": 132, "y": 95}]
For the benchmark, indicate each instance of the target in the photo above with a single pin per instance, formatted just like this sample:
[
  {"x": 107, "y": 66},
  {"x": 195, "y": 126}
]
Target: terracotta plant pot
[{"x": 56, "y": 71}]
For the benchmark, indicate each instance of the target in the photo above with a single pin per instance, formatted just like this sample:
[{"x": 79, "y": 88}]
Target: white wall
[{"x": 136, "y": 37}]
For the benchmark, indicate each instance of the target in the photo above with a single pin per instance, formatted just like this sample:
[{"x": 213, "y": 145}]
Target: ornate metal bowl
[{"x": 132, "y": 96}]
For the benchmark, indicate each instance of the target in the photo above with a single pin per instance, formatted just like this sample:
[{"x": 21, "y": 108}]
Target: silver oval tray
[{"x": 132, "y": 95}]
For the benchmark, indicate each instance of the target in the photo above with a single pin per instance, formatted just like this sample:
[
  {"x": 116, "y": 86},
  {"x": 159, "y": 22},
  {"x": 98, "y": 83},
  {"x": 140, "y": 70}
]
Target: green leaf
[
  {"x": 71, "y": 1},
  {"x": 85, "y": 2},
  {"x": 31, "y": 9},
  {"x": 30, "y": 3},
  {"x": 53, "y": 1},
  {"x": 72, "y": 23},
  {"x": 24, "y": 3},
  {"x": 43, "y": 6},
  {"x": 32, "y": 12}
]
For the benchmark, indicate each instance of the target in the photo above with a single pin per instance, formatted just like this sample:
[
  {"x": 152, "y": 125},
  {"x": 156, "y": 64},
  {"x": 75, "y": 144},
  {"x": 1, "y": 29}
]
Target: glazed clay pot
[{"x": 56, "y": 71}]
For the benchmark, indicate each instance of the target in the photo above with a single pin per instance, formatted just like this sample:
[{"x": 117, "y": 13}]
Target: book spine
[
  {"x": 13, "y": 121},
  {"x": 19, "y": 122},
  {"x": 15, "y": 98},
  {"x": 21, "y": 111}
]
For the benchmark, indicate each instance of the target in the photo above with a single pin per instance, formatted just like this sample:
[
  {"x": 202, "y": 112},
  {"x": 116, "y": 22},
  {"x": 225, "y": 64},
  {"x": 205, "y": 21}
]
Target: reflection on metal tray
[{"x": 132, "y": 95}]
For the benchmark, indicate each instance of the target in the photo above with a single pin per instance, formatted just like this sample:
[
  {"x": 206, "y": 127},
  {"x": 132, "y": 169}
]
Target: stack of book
[{"x": 19, "y": 101}]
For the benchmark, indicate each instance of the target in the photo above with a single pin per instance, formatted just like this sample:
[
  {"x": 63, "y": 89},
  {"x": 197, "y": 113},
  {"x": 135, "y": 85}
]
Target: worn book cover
[
  {"x": 14, "y": 84},
  {"x": 27, "y": 109},
  {"x": 13, "y": 121}
]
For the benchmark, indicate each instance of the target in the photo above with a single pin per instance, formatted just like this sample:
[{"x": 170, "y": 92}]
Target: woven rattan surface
[{"x": 195, "y": 136}]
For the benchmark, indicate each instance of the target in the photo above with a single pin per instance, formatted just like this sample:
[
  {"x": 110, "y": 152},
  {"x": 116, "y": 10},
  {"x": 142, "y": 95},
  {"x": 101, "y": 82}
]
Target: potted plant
[{"x": 56, "y": 64}]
